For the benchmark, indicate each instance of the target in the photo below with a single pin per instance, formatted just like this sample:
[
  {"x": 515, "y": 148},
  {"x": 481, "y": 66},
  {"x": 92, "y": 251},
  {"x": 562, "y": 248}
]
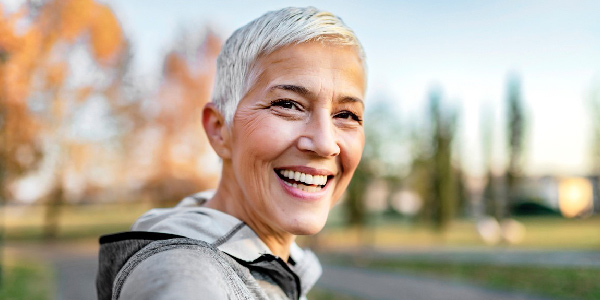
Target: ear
[{"x": 216, "y": 130}]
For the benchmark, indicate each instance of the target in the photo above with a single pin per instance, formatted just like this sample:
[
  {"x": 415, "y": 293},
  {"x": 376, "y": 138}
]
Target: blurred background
[{"x": 480, "y": 174}]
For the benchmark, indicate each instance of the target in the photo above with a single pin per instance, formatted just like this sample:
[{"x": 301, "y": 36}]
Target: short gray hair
[{"x": 266, "y": 34}]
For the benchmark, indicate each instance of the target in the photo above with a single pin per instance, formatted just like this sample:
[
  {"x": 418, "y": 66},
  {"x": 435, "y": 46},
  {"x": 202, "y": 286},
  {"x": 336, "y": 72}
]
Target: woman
[{"x": 286, "y": 120}]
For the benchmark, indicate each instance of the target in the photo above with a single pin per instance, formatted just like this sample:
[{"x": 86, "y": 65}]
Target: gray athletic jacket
[{"x": 193, "y": 252}]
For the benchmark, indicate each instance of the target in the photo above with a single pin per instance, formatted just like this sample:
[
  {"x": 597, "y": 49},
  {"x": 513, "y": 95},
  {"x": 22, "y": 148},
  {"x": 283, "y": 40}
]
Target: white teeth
[
  {"x": 316, "y": 181},
  {"x": 320, "y": 180}
]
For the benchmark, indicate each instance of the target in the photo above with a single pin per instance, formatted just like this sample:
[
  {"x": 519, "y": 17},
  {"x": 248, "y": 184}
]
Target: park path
[
  {"x": 76, "y": 266},
  {"x": 76, "y": 278},
  {"x": 370, "y": 284}
]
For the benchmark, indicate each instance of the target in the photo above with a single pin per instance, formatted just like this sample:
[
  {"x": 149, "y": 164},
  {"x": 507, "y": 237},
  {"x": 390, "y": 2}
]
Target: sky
[{"x": 466, "y": 47}]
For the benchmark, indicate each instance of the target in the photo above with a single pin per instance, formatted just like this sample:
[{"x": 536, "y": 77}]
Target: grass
[
  {"x": 540, "y": 233},
  {"x": 323, "y": 294},
  {"x": 26, "y": 280},
  {"x": 84, "y": 221},
  {"x": 560, "y": 283},
  {"x": 76, "y": 221}
]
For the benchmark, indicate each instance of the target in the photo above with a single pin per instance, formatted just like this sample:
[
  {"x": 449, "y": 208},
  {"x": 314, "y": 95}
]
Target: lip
[{"x": 300, "y": 194}]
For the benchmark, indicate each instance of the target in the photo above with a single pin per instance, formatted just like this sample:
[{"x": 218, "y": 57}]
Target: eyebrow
[
  {"x": 349, "y": 99},
  {"x": 292, "y": 88},
  {"x": 303, "y": 91}
]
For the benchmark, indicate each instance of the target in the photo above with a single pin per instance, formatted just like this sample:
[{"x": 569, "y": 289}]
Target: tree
[
  {"x": 381, "y": 158},
  {"x": 180, "y": 157},
  {"x": 41, "y": 89},
  {"x": 19, "y": 149},
  {"x": 443, "y": 197},
  {"x": 491, "y": 195},
  {"x": 516, "y": 134},
  {"x": 594, "y": 111}
]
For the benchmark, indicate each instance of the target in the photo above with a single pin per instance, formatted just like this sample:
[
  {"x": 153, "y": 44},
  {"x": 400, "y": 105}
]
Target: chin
[{"x": 308, "y": 226}]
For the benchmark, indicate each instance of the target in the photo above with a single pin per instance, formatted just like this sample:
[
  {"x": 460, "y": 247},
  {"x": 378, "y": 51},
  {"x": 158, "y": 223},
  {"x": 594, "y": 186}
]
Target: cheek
[
  {"x": 262, "y": 138},
  {"x": 352, "y": 145}
]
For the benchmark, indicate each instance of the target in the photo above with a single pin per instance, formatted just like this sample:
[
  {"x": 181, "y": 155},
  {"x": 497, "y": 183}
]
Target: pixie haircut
[{"x": 271, "y": 31}]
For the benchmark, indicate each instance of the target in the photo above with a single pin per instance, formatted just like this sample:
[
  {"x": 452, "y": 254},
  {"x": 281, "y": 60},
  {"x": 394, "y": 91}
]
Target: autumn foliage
[
  {"x": 61, "y": 56},
  {"x": 34, "y": 45},
  {"x": 182, "y": 161}
]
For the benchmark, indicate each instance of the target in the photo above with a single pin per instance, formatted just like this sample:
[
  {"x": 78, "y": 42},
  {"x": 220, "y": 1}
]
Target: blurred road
[
  {"x": 76, "y": 265},
  {"x": 381, "y": 285},
  {"x": 76, "y": 278}
]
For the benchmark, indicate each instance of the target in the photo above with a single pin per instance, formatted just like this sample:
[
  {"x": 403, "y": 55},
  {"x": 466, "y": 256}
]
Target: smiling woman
[
  {"x": 295, "y": 118},
  {"x": 286, "y": 120}
]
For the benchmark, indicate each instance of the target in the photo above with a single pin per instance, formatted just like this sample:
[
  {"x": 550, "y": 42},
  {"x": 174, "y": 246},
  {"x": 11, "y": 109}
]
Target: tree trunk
[{"x": 53, "y": 211}]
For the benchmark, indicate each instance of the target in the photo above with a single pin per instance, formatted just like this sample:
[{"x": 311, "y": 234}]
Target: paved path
[
  {"x": 76, "y": 266},
  {"x": 76, "y": 278},
  {"x": 379, "y": 285}
]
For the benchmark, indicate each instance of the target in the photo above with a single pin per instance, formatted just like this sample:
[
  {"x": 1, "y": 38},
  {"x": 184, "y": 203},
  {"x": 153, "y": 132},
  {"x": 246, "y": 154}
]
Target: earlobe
[{"x": 216, "y": 130}]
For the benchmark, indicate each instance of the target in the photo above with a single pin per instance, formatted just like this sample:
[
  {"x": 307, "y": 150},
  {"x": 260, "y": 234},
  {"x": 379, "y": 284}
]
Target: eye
[
  {"x": 348, "y": 115},
  {"x": 286, "y": 104}
]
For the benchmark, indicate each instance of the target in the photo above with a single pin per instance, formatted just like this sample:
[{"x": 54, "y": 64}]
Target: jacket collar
[{"x": 229, "y": 234}]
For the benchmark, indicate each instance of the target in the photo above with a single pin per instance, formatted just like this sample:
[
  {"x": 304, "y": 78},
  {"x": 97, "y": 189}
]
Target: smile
[{"x": 305, "y": 182}]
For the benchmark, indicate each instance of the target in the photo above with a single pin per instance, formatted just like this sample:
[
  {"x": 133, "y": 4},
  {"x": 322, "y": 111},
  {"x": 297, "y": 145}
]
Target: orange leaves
[
  {"x": 75, "y": 17},
  {"x": 83, "y": 93},
  {"x": 187, "y": 78},
  {"x": 35, "y": 58},
  {"x": 56, "y": 74},
  {"x": 106, "y": 35},
  {"x": 175, "y": 67},
  {"x": 15, "y": 72},
  {"x": 11, "y": 60},
  {"x": 24, "y": 53},
  {"x": 78, "y": 17},
  {"x": 9, "y": 41}
]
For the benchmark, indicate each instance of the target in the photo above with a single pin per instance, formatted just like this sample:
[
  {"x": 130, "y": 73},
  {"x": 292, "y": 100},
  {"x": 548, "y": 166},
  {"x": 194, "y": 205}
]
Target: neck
[{"x": 230, "y": 200}]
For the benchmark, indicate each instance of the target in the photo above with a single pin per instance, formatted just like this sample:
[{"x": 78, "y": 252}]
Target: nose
[{"x": 319, "y": 136}]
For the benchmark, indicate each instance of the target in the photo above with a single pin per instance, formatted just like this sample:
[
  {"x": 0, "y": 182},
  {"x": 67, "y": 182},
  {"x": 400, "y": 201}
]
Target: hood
[{"x": 191, "y": 220}]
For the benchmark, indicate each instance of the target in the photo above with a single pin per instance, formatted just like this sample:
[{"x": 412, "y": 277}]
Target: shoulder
[
  {"x": 180, "y": 273},
  {"x": 200, "y": 223}
]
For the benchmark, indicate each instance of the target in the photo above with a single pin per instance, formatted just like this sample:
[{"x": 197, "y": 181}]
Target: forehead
[{"x": 313, "y": 65}]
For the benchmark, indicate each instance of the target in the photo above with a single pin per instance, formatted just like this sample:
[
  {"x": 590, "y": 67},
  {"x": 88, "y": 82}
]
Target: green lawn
[
  {"x": 75, "y": 221},
  {"x": 322, "y": 294},
  {"x": 85, "y": 221},
  {"x": 540, "y": 233},
  {"x": 560, "y": 283},
  {"x": 23, "y": 280}
]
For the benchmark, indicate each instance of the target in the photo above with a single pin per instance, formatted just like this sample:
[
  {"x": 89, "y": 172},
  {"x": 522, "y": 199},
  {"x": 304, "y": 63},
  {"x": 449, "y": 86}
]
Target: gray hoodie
[{"x": 194, "y": 252}]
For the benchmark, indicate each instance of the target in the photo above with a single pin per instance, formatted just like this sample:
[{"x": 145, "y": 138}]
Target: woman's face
[{"x": 297, "y": 136}]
